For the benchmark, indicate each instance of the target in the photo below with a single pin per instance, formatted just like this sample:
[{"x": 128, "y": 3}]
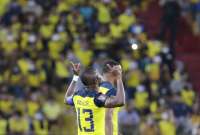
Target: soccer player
[
  {"x": 89, "y": 103},
  {"x": 108, "y": 87}
]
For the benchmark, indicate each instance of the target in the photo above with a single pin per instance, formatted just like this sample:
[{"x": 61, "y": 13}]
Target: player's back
[{"x": 90, "y": 117}]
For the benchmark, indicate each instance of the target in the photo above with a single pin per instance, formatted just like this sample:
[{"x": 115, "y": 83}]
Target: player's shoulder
[
  {"x": 86, "y": 93},
  {"x": 106, "y": 84},
  {"x": 100, "y": 99},
  {"x": 107, "y": 88}
]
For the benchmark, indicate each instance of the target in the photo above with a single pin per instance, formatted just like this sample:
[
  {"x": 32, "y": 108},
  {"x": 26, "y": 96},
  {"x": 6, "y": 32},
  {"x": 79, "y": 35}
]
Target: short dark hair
[
  {"x": 89, "y": 77},
  {"x": 105, "y": 68}
]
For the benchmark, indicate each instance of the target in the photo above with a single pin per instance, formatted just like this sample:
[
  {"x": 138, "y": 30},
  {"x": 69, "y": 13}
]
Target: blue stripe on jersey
[{"x": 111, "y": 90}]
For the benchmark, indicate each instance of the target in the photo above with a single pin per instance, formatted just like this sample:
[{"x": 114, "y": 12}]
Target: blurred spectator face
[
  {"x": 4, "y": 89},
  {"x": 102, "y": 30},
  {"x": 165, "y": 116},
  {"x": 75, "y": 12},
  {"x": 14, "y": 19},
  {"x": 196, "y": 107},
  {"x": 30, "y": 18},
  {"x": 106, "y": 1},
  {"x": 129, "y": 107},
  {"x": 17, "y": 114},
  {"x": 116, "y": 21},
  {"x": 15, "y": 70},
  {"x": 32, "y": 38},
  {"x": 10, "y": 38},
  {"x": 150, "y": 121}
]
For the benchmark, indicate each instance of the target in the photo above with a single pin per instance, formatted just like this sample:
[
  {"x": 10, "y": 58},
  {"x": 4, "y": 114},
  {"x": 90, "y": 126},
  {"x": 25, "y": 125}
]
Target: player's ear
[{"x": 98, "y": 80}]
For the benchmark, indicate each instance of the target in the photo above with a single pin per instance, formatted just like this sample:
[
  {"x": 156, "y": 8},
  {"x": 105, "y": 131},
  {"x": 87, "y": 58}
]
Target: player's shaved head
[
  {"x": 89, "y": 77},
  {"x": 105, "y": 68}
]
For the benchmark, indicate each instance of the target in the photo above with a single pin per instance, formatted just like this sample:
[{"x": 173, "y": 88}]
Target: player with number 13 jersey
[{"x": 90, "y": 103}]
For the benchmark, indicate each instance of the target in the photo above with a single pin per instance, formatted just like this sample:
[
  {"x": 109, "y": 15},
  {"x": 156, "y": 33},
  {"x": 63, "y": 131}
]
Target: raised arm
[
  {"x": 119, "y": 99},
  {"x": 71, "y": 89}
]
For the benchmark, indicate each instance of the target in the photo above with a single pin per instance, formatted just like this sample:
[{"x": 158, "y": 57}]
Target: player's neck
[
  {"x": 93, "y": 87},
  {"x": 109, "y": 79}
]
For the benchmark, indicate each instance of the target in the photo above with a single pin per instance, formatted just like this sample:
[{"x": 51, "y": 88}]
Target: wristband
[{"x": 75, "y": 78}]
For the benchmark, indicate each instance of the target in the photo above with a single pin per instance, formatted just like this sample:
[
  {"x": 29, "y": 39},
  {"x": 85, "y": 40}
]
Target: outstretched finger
[{"x": 72, "y": 63}]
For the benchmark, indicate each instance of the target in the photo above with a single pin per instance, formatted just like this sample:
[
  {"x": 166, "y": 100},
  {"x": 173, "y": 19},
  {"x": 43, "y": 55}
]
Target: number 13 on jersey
[{"x": 85, "y": 120}]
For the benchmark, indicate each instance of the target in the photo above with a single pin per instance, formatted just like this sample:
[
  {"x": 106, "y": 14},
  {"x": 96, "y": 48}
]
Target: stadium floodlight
[{"x": 134, "y": 46}]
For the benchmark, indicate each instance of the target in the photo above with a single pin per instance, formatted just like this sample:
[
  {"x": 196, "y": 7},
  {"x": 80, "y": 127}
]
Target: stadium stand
[{"x": 40, "y": 37}]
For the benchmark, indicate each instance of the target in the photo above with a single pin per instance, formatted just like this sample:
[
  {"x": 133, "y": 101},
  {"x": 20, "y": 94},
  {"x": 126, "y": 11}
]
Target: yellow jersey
[
  {"x": 3, "y": 126},
  {"x": 108, "y": 89},
  {"x": 89, "y": 112},
  {"x": 40, "y": 127},
  {"x": 167, "y": 128}
]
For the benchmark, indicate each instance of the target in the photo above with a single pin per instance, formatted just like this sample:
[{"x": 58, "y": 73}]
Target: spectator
[
  {"x": 150, "y": 126},
  {"x": 170, "y": 19},
  {"x": 181, "y": 112},
  {"x": 167, "y": 124},
  {"x": 104, "y": 14},
  {"x": 18, "y": 124},
  {"x": 40, "y": 124},
  {"x": 129, "y": 120},
  {"x": 39, "y": 38},
  {"x": 197, "y": 17},
  {"x": 52, "y": 110},
  {"x": 3, "y": 124},
  {"x": 195, "y": 119},
  {"x": 188, "y": 96},
  {"x": 141, "y": 100}
]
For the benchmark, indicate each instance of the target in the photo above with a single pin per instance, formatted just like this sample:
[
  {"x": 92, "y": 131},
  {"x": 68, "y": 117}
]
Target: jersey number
[{"x": 87, "y": 119}]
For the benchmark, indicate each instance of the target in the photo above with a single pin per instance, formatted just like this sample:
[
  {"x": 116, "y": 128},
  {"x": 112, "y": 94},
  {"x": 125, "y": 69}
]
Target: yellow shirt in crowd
[
  {"x": 61, "y": 69},
  {"x": 3, "y": 126},
  {"x": 32, "y": 108},
  {"x": 102, "y": 41},
  {"x": 167, "y": 128},
  {"x": 126, "y": 21},
  {"x": 103, "y": 13},
  {"x": 188, "y": 96},
  {"x": 134, "y": 78},
  {"x": 20, "y": 125},
  {"x": 140, "y": 100},
  {"x": 6, "y": 106}
]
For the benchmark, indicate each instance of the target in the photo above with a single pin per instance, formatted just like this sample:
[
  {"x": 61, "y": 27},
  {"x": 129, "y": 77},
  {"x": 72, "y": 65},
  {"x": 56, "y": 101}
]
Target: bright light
[{"x": 134, "y": 46}]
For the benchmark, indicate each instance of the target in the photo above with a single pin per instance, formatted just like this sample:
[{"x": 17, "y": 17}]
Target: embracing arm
[
  {"x": 103, "y": 100},
  {"x": 119, "y": 99}
]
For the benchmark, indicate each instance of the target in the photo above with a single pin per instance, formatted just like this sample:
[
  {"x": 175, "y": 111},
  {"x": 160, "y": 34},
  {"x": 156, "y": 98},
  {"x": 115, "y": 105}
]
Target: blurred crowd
[
  {"x": 40, "y": 37},
  {"x": 189, "y": 9}
]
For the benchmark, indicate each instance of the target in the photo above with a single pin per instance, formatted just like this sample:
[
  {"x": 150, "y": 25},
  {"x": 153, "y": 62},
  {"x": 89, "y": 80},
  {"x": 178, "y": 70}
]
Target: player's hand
[
  {"x": 76, "y": 68},
  {"x": 116, "y": 71}
]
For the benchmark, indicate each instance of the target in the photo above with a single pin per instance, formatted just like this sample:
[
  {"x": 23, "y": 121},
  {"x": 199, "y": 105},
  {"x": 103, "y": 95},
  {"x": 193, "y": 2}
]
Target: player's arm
[
  {"x": 71, "y": 89},
  {"x": 119, "y": 99},
  {"x": 113, "y": 101}
]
